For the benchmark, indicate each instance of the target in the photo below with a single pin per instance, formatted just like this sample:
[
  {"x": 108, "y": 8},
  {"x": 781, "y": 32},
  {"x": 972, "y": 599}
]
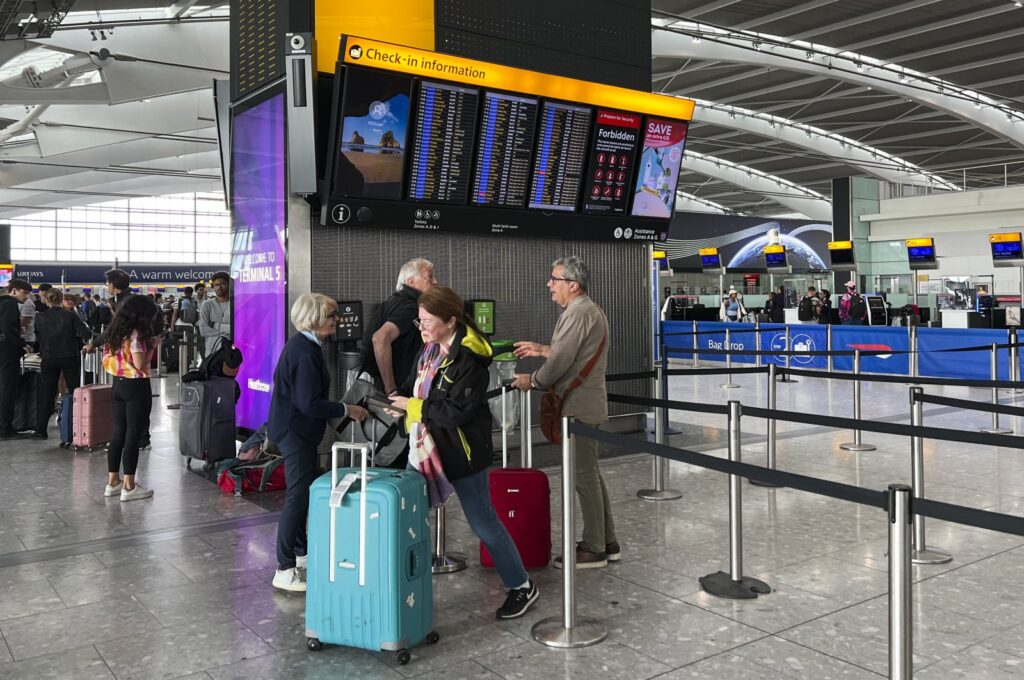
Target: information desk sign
[
  {"x": 612, "y": 159},
  {"x": 561, "y": 152},
  {"x": 710, "y": 261},
  {"x": 775, "y": 258},
  {"x": 841, "y": 256},
  {"x": 442, "y": 143},
  {"x": 921, "y": 253},
  {"x": 503, "y": 150},
  {"x": 1006, "y": 250}
]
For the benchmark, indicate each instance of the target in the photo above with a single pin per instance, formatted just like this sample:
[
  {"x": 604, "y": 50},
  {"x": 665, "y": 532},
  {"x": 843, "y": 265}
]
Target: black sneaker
[
  {"x": 145, "y": 444},
  {"x": 613, "y": 551},
  {"x": 518, "y": 601}
]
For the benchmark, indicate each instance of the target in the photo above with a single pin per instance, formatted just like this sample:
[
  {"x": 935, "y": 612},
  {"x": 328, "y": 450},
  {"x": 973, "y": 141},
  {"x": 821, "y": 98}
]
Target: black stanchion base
[
  {"x": 784, "y": 379},
  {"x": 720, "y": 584},
  {"x": 766, "y": 485}
]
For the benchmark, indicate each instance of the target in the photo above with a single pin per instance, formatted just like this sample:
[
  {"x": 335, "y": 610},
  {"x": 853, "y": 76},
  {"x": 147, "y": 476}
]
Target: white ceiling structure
[{"x": 117, "y": 101}]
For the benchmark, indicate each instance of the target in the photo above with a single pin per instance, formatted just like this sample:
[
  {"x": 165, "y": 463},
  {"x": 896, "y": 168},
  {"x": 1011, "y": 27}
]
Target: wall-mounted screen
[
  {"x": 258, "y": 209},
  {"x": 442, "y": 143},
  {"x": 921, "y": 253},
  {"x": 1006, "y": 249},
  {"x": 561, "y": 151},
  {"x": 775, "y": 257},
  {"x": 841, "y": 254},
  {"x": 710, "y": 259},
  {"x": 374, "y": 129},
  {"x": 503, "y": 150},
  {"x": 658, "y": 168},
  {"x": 6, "y": 274},
  {"x": 612, "y": 159}
]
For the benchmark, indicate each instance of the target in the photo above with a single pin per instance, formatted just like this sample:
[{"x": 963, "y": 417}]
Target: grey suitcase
[{"x": 206, "y": 429}]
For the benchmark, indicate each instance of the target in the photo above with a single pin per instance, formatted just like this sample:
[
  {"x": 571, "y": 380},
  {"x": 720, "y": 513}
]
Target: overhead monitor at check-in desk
[
  {"x": 1006, "y": 249},
  {"x": 921, "y": 253},
  {"x": 710, "y": 261},
  {"x": 775, "y": 258},
  {"x": 841, "y": 256}
]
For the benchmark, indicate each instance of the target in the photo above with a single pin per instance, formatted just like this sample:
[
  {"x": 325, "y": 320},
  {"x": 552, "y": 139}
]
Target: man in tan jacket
[{"x": 580, "y": 334}]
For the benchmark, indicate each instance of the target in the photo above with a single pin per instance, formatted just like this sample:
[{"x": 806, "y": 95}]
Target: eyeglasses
[
  {"x": 552, "y": 279},
  {"x": 421, "y": 324}
]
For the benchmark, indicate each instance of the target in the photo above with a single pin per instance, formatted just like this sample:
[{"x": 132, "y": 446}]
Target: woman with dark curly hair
[{"x": 130, "y": 344}]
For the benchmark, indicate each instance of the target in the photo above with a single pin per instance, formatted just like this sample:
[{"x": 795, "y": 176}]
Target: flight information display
[
  {"x": 612, "y": 156},
  {"x": 502, "y": 168},
  {"x": 561, "y": 150},
  {"x": 442, "y": 143}
]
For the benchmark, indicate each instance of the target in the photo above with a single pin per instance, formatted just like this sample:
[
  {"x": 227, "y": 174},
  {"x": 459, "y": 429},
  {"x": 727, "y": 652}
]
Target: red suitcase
[
  {"x": 92, "y": 417},
  {"x": 522, "y": 499}
]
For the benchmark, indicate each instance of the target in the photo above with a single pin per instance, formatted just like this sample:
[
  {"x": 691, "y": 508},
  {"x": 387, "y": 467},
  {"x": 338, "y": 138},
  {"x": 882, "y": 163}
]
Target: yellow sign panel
[
  {"x": 775, "y": 249},
  {"x": 708, "y": 251},
  {"x": 1004, "y": 238},
  {"x": 920, "y": 242},
  {"x": 406, "y": 22},
  {"x": 427, "y": 64},
  {"x": 659, "y": 255},
  {"x": 840, "y": 245}
]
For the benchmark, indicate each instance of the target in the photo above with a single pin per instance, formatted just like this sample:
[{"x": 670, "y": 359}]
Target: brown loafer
[
  {"x": 585, "y": 559},
  {"x": 613, "y": 551}
]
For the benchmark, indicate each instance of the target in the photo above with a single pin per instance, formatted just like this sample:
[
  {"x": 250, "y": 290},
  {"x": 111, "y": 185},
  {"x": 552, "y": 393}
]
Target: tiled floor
[{"x": 178, "y": 586}]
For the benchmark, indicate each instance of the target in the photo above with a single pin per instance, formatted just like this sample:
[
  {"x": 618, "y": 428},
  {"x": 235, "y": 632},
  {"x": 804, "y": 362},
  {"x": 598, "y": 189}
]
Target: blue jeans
[{"x": 475, "y": 496}]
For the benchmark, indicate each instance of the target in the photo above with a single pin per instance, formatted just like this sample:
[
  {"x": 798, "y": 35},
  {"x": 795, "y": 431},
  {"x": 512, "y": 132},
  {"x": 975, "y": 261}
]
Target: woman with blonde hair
[{"x": 299, "y": 411}]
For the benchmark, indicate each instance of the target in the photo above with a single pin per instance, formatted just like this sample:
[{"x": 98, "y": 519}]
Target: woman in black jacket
[
  {"x": 61, "y": 335},
  {"x": 299, "y": 410},
  {"x": 449, "y": 428},
  {"x": 778, "y": 306}
]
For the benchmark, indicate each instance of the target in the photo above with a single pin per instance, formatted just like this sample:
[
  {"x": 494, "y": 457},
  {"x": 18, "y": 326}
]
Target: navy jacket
[
  {"x": 299, "y": 405},
  {"x": 10, "y": 326}
]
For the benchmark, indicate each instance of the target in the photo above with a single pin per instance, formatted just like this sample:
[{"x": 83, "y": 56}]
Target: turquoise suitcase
[{"x": 368, "y": 582}]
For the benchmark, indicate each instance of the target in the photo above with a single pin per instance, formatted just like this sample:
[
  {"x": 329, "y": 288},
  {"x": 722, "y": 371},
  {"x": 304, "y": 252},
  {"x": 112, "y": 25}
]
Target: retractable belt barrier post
[
  {"x": 770, "y": 439},
  {"x": 828, "y": 346},
  {"x": 444, "y": 562},
  {"x": 567, "y": 632},
  {"x": 857, "y": 444},
  {"x": 786, "y": 378},
  {"x": 728, "y": 361},
  {"x": 901, "y": 641},
  {"x": 922, "y": 552},
  {"x": 1014, "y": 362},
  {"x": 734, "y": 585},
  {"x": 995, "y": 428},
  {"x": 525, "y": 430},
  {"x": 757, "y": 343},
  {"x": 914, "y": 368},
  {"x": 659, "y": 465},
  {"x": 182, "y": 370},
  {"x": 662, "y": 385}
]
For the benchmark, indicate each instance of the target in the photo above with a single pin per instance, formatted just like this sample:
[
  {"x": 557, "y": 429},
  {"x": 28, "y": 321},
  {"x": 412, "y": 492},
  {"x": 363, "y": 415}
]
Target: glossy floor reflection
[{"x": 178, "y": 586}]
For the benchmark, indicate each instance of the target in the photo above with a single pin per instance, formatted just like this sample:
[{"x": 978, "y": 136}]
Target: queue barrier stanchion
[
  {"x": 771, "y": 427},
  {"x": 1014, "y": 362},
  {"x": 995, "y": 428},
  {"x": 728, "y": 361},
  {"x": 914, "y": 367},
  {"x": 568, "y": 632},
  {"x": 442, "y": 561},
  {"x": 901, "y": 640},
  {"x": 828, "y": 346},
  {"x": 696, "y": 362},
  {"x": 786, "y": 377},
  {"x": 757, "y": 343},
  {"x": 856, "y": 444},
  {"x": 659, "y": 465},
  {"x": 922, "y": 552},
  {"x": 734, "y": 585},
  {"x": 662, "y": 385},
  {"x": 182, "y": 370}
]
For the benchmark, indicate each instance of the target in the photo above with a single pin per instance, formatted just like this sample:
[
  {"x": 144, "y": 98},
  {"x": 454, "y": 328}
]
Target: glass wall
[{"x": 180, "y": 229}]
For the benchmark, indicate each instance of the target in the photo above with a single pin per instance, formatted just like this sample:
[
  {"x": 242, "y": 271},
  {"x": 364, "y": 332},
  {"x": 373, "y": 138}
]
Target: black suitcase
[
  {"x": 169, "y": 350},
  {"x": 206, "y": 429},
  {"x": 26, "y": 402}
]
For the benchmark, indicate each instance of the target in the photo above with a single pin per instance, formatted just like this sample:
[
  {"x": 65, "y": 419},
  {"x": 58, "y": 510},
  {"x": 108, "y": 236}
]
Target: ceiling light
[
  {"x": 696, "y": 40},
  {"x": 977, "y": 103},
  {"x": 757, "y": 45},
  {"x": 810, "y": 55},
  {"x": 860, "y": 67},
  {"x": 1018, "y": 3}
]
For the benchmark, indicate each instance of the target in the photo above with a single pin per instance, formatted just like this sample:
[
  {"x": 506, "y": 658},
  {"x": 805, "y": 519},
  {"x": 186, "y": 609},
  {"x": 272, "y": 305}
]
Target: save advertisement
[{"x": 655, "y": 192}]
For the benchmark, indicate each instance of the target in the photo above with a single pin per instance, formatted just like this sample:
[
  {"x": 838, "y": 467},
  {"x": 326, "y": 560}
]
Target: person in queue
[
  {"x": 130, "y": 345},
  {"x": 215, "y": 314},
  {"x": 852, "y": 310},
  {"x": 60, "y": 331},
  {"x": 12, "y": 348},
  {"x": 580, "y": 335},
  {"x": 299, "y": 411},
  {"x": 826, "y": 307},
  {"x": 778, "y": 306},
  {"x": 449, "y": 427},
  {"x": 732, "y": 309}
]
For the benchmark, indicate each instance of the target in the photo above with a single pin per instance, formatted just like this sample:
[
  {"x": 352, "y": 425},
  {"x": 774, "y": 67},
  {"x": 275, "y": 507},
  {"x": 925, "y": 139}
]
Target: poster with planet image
[{"x": 658, "y": 168}]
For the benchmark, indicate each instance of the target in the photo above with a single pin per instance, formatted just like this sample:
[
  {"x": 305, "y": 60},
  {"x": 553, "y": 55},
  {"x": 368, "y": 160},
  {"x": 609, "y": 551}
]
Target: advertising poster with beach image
[
  {"x": 658, "y": 168},
  {"x": 373, "y": 134}
]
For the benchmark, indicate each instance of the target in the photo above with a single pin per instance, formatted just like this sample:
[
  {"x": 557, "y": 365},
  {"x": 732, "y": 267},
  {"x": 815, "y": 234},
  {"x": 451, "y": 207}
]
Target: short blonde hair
[{"x": 311, "y": 310}]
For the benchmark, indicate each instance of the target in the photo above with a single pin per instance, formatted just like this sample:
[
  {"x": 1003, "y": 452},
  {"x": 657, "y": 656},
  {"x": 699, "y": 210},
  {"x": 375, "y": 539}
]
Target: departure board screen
[
  {"x": 612, "y": 153},
  {"x": 503, "y": 150},
  {"x": 561, "y": 150},
  {"x": 442, "y": 143}
]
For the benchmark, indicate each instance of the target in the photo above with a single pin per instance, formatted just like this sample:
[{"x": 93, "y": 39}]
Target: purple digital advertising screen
[{"x": 258, "y": 253}]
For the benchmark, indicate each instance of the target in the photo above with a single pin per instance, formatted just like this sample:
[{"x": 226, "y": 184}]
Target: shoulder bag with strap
[{"x": 551, "y": 404}]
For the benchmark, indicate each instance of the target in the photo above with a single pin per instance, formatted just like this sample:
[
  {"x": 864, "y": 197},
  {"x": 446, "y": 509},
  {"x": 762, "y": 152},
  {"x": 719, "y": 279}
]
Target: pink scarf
[{"x": 423, "y": 454}]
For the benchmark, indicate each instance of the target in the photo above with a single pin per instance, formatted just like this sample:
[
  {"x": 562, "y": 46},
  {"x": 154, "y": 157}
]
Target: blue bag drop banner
[
  {"x": 739, "y": 339},
  {"x": 679, "y": 346},
  {"x": 803, "y": 337},
  {"x": 964, "y": 365},
  {"x": 872, "y": 339}
]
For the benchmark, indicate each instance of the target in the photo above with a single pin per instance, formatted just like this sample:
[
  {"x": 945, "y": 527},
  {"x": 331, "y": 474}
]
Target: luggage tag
[{"x": 338, "y": 492}]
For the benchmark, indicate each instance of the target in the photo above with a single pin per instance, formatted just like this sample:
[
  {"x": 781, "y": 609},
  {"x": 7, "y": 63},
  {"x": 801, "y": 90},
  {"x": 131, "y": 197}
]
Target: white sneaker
[
  {"x": 289, "y": 579},
  {"x": 135, "y": 494},
  {"x": 301, "y": 561},
  {"x": 113, "y": 490}
]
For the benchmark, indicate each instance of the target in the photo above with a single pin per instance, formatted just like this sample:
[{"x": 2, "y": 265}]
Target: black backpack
[
  {"x": 805, "y": 310},
  {"x": 858, "y": 308}
]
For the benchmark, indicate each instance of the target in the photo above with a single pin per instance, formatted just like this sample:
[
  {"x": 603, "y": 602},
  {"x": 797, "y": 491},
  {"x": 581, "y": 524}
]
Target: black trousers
[
  {"x": 51, "y": 370},
  {"x": 10, "y": 370},
  {"x": 299, "y": 473},
  {"x": 133, "y": 401}
]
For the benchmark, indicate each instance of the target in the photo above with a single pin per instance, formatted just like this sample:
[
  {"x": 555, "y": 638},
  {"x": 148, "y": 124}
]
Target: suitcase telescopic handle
[{"x": 364, "y": 450}]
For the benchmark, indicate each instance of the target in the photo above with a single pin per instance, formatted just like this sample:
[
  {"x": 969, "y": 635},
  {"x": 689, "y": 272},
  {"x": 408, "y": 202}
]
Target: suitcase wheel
[
  {"x": 402, "y": 656},
  {"x": 314, "y": 645},
  {"x": 433, "y": 637}
]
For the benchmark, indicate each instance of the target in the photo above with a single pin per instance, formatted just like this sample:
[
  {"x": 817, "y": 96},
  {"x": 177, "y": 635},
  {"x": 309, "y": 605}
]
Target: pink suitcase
[{"x": 93, "y": 417}]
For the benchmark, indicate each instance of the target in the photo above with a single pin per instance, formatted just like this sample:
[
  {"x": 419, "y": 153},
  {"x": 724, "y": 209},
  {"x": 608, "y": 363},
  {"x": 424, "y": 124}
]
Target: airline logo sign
[
  {"x": 802, "y": 342},
  {"x": 873, "y": 347}
]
